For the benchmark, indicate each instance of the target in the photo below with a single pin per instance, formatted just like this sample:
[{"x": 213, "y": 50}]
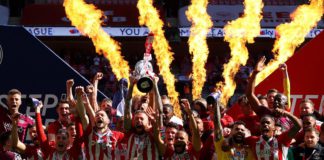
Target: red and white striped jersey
[
  {"x": 138, "y": 147},
  {"x": 50, "y": 152},
  {"x": 273, "y": 149},
  {"x": 101, "y": 146}
]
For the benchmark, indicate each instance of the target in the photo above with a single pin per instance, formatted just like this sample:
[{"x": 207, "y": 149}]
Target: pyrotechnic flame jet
[
  {"x": 239, "y": 32},
  {"x": 149, "y": 16},
  {"x": 292, "y": 34},
  {"x": 88, "y": 19},
  {"x": 198, "y": 48}
]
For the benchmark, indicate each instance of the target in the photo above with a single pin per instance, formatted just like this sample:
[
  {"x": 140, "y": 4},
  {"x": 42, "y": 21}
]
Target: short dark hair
[
  {"x": 172, "y": 125},
  {"x": 70, "y": 124},
  {"x": 239, "y": 123},
  {"x": 62, "y": 131},
  {"x": 311, "y": 129},
  {"x": 14, "y": 91},
  {"x": 273, "y": 90},
  {"x": 268, "y": 116},
  {"x": 62, "y": 101}
]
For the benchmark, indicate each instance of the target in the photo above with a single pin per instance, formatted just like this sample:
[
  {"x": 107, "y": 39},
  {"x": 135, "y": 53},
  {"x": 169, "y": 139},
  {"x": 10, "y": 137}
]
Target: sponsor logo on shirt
[{"x": 7, "y": 126}]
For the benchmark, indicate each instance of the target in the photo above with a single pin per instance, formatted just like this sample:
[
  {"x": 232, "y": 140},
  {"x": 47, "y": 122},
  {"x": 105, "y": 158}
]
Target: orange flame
[
  {"x": 149, "y": 16},
  {"x": 292, "y": 34},
  {"x": 198, "y": 48},
  {"x": 238, "y": 33},
  {"x": 87, "y": 19}
]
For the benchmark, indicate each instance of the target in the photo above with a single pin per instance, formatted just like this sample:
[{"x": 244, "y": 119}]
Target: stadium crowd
[{"x": 134, "y": 127}]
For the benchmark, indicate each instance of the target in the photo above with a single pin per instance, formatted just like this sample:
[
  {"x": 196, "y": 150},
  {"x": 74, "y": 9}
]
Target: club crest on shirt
[{"x": 102, "y": 143}]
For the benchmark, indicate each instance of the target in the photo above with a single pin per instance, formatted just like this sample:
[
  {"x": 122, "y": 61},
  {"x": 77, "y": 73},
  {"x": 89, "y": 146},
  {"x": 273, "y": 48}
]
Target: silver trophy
[{"x": 144, "y": 74}]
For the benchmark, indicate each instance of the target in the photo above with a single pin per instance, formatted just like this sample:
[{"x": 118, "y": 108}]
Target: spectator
[
  {"x": 30, "y": 151},
  {"x": 139, "y": 137},
  {"x": 14, "y": 103},
  {"x": 235, "y": 147},
  {"x": 61, "y": 149},
  {"x": 266, "y": 145},
  {"x": 99, "y": 137},
  {"x": 63, "y": 111},
  {"x": 307, "y": 107},
  {"x": 181, "y": 148},
  {"x": 309, "y": 121},
  {"x": 270, "y": 97},
  {"x": 311, "y": 150},
  {"x": 278, "y": 101},
  {"x": 268, "y": 122},
  {"x": 170, "y": 131},
  {"x": 168, "y": 116}
]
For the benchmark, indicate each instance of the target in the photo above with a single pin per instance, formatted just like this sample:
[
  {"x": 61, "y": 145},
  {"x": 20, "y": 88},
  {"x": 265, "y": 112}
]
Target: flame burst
[
  {"x": 149, "y": 16},
  {"x": 87, "y": 19},
  {"x": 201, "y": 24},
  {"x": 238, "y": 33},
  {"x": 292, "y": 34}
]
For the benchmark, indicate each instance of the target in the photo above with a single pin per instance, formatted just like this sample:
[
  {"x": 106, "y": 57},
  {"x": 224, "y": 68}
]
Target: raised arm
[
  {"x": 218, "y": 132},
  {"x": 196, "y": 141},
  {"x": 45, "y": 147},
  {"x": 286, "y": 84},
  {"x": 76, "y": 148},
  {"x": 253, "y": 100},
  {"x": 16, "y": 143},
  {"x": 158, "y": 101},
  {"x": 69, "y": 94},
  {"x": 79, "y": 90},
  {"x": 128, "y": 104},
  {"x": 297, "y": 125},
  {"x": 93, "y": 98},
  {"x": 89, "y": 109},
  {"x": 154, "y": 118}
]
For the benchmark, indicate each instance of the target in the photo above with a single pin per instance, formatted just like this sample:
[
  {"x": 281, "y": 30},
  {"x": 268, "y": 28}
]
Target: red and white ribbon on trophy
[
  {"x": 148, "y": 47},
  {"x": 147, "y": 55}
]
